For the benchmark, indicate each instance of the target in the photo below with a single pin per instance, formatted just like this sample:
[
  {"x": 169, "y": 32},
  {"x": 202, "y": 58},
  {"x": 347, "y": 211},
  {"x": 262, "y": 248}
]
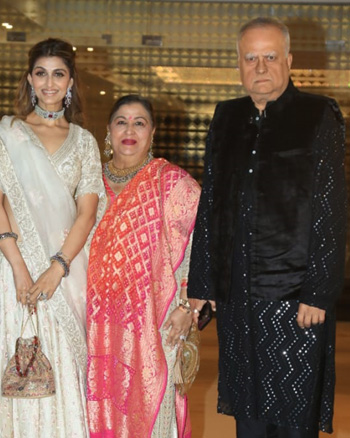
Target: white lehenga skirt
[{"x": 60, "y": 416}]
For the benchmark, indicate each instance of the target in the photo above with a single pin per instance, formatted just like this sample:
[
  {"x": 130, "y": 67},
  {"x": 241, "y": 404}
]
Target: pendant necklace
[
  {"x": 121, "y": 176},
  {"x": 45, "y": 114}
]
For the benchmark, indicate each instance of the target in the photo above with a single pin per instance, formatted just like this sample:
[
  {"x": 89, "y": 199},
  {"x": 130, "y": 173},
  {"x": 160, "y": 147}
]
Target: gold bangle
[
  {"x": 184, "y": 309},
  {"x": 185, "y": 303}
]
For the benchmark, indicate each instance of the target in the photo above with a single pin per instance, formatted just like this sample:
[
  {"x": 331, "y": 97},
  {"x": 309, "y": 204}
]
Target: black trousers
[{"x": 259, "y": 429}]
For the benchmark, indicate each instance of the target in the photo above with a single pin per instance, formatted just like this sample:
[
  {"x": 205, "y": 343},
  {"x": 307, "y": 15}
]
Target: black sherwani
[{"x": 270, "y": 233}]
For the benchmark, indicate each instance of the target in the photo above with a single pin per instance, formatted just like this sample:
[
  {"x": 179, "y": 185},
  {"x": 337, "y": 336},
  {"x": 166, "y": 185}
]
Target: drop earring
[
  {"x": 68, "y": 97},
  {"x": 32, "y": 96},
  {"x": 108, "y": 151}
]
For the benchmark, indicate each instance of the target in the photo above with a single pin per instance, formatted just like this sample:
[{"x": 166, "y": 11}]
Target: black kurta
[{"x": 270, "y": 233}]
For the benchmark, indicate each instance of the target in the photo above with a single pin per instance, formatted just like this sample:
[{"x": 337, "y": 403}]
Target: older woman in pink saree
[{"x": 137, "y": 312}]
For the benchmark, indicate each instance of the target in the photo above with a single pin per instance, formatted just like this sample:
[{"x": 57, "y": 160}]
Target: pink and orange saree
[{"x": 136, "y": 250}]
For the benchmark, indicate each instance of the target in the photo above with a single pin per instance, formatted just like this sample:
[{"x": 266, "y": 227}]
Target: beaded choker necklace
[
  {"x": 45, "y": 114},
  {"x": 121, "y": 176}
]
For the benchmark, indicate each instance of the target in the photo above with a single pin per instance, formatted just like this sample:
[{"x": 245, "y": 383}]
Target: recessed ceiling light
[
  {"x": 90, "y": 49},
  {"x": 102, "y": 92}
]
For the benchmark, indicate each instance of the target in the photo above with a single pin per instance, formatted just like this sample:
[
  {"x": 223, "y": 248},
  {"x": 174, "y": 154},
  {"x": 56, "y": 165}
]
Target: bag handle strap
[{"x": 32, "y": 309}]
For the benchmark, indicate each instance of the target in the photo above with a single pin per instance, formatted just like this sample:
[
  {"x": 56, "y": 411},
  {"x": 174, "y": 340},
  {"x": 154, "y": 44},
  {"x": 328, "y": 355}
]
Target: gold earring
[{"x": 108, "y": 151}]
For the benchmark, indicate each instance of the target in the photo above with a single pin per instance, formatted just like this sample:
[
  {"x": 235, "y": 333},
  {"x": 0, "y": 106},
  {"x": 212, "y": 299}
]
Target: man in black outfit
[{"x": 269, "y": 243}]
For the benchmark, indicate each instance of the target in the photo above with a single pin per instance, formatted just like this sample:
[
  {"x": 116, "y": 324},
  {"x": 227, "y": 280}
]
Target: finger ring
[
  {"x": 42, "y": 296},
  {"x": 196, "y": 311},
  {"x": 182, "y": 338}
]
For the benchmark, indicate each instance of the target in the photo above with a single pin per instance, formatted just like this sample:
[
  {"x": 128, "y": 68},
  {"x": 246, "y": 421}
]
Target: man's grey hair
[{"x": 265, "y": 22}]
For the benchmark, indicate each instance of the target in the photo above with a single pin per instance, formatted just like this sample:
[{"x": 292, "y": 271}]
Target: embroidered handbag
[
  {"x": 187, "y": 361},
  {"x": 29, "y": 373}
]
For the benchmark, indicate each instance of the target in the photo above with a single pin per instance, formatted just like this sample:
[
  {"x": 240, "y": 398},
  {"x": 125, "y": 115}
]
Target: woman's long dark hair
[{"x": 63, "y": 50}]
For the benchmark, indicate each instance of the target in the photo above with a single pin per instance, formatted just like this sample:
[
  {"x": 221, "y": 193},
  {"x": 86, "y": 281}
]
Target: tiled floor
[{"x": 206, "y": 423}]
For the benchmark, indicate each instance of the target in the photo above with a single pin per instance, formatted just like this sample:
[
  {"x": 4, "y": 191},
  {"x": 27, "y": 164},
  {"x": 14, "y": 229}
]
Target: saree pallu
[
  {"x": 135, "y": 252},
  {"x": 44, "y": 212}
]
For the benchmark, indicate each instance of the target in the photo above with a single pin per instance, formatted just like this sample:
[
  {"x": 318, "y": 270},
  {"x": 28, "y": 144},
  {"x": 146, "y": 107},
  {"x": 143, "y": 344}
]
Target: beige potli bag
[{"x": 29, "y": 373}]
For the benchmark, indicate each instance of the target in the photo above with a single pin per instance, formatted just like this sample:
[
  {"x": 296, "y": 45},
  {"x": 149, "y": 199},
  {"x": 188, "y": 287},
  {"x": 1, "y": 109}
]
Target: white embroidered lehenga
[{"x": 41, "y": 190}]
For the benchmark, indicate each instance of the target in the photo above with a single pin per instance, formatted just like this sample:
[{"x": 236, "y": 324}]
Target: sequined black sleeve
[
  {"x": 325, "y": 272},
  {"x": 199, "y": 280}
]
